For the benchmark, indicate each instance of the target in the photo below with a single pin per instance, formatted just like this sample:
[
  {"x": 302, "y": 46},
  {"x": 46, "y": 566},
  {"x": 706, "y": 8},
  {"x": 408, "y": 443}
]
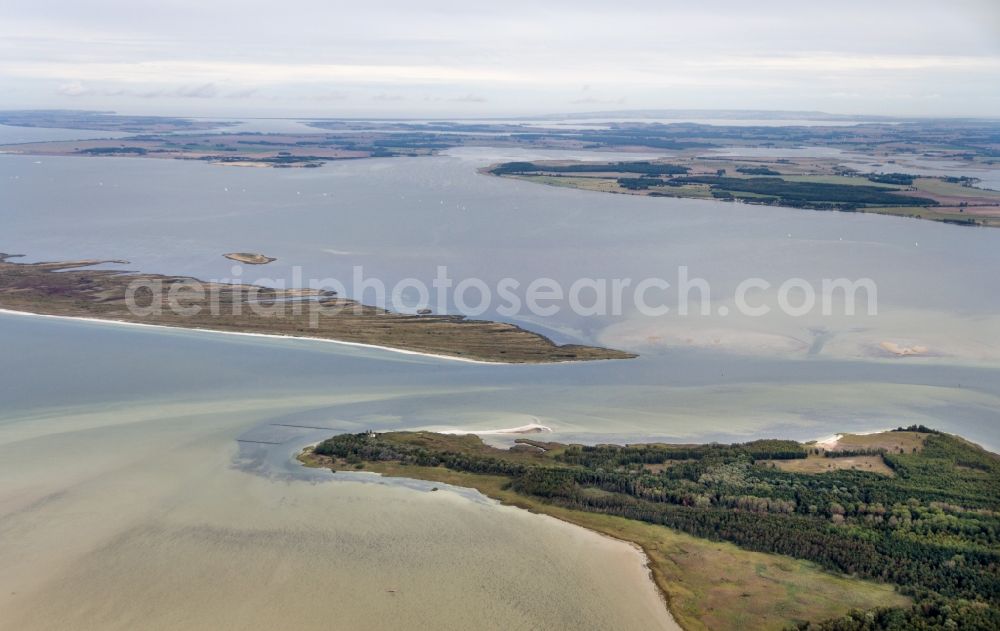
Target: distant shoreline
[{"x": 821, "y": 184}]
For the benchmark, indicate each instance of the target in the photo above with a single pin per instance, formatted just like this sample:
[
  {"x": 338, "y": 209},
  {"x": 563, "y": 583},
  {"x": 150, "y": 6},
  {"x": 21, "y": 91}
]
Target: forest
[
  {"x": 805, "y": 193},
  {"x": 932, "y": 528},
  {"x": 644, "y": 168},
  {"x": 900, "y": 179}
]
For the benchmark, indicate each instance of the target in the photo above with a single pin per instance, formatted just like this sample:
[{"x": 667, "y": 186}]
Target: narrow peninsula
[{"x": 75, "y": 289}]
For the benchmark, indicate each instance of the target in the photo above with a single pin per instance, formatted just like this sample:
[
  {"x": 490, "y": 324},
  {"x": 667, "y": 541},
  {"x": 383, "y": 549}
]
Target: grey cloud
[
  {"x": 334, "y": 95},
  {"x": 74, "y": 88},
  {"x": 518, "y": 57},
  {"x": 203, "y": 91},
  {"x": 198, "y": 91},
  {"x": 245, "y": 93},
  {"x": 596, "y": 101}
]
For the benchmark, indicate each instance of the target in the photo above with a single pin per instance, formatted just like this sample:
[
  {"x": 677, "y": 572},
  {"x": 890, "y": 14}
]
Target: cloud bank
[{"x": 441, "y": 59}]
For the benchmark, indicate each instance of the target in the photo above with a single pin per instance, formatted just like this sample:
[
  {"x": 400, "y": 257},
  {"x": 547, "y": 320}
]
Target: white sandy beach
[
  {"x": 831, "y": 442},
  {"x": 263, "y": 335},
  {"x": 530, "y": 428}
]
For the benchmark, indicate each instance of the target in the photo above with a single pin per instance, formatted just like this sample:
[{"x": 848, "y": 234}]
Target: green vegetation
[
  {"x": 756, "y": 171},
  {"x": 932, "y": 613},
  {"x": 112, "y": 151},
  {"x": 956, "y": 187},
  {"x": 776, "y": 190},
  {"x": 817, "y": 184},
  {"x": 638, "y": 183},
  {"x": 965, "y": 140},
  {"x": 932, "y": 529},
  {"x": 901, "y": 179},
  {"x": 645, "y": 168},
  {"x": 72, "y": 289},
  {"x": 807, "y": 194},
  {"x": 951, "y": 215}
]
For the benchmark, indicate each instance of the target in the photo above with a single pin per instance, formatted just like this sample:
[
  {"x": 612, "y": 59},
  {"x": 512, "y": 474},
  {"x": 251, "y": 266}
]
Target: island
[
  {"x": 74, "y": 289},
  {"x": 893, "y": 530},
  {"x": 810, "y": 183},
  {"x": 250, "y": 258}
]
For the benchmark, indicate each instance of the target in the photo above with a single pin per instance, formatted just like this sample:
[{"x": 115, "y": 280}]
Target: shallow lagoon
[
  {"x": 144, "y": 510},
  {"x": 126, "y": 450}
]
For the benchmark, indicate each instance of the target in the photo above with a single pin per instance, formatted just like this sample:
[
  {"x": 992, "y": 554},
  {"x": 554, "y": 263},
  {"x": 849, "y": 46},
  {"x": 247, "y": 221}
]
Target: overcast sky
[{"x": 430, "y": 58}]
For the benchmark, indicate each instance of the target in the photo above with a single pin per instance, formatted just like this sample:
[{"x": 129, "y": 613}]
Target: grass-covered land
[
  {"x": 644, "y": 168},
  {"x": 805, "y": 194},
  {"x": 74, "y": 289},
  {"x": 755, "y": 537},
  {"x": 809, "y": 183}
]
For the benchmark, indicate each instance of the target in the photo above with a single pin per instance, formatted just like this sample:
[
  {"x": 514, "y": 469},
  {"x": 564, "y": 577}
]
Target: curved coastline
[
  {"x": 73, "y": 289},
  {"x": 655, "y": 582},
  {"x": 402, "y": 351},
  {"x": 718, "y": 581}
]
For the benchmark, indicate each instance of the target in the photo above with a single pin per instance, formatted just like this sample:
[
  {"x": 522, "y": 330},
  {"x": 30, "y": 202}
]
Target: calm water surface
[{"x": 157, "y": 465}]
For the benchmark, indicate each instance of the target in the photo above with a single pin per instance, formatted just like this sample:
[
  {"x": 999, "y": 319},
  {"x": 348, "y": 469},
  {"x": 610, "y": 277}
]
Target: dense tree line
[
  {"x": 360, "y": 447},
  {"x": 902, "y": 179},
  {"x": 614, "y": 455},
  {"x": 644, "y": 168},
  {"x": 923, "y": 429},
  {"x": 756, "y": 171},
  {"x": 114, "y": 151},
  {"x": 930, "y": 613},
  {"x": 639, "y": 183},
  {"x": 850, "y": 453},
  {"x": 646, "y": 136},
  {"x": 933, "y": 529},
  {"x": 806, "y": 192}
]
